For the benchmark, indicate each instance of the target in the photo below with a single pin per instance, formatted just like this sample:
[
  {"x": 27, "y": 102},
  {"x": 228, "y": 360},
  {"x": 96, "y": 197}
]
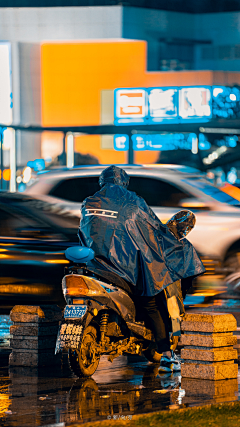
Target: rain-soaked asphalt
[{"x": 129, "y": 385}]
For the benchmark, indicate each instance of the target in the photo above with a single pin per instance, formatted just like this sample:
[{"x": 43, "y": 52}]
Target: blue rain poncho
[{"x": 129, "y": 240}]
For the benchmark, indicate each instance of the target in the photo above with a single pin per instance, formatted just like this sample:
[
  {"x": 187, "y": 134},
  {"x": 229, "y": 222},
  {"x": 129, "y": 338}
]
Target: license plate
[{"x": 74, "y": 311}]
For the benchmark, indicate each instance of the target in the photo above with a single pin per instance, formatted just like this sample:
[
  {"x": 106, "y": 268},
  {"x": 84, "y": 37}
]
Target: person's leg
[
  {"x": 163, "y": 310},
  {"x": 157, "y": 319},
  {"x": 156, "y": 323},
  {"x": 169, "y": 361}
]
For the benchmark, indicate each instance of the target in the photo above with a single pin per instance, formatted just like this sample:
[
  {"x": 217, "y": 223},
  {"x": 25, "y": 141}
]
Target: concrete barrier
[
  {"x": 208, "y": 342},
  {"x": 33, "y": 335}
]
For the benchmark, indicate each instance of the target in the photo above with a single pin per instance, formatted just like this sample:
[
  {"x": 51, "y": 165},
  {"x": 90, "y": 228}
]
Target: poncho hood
[{"x": 114, "y": 175}]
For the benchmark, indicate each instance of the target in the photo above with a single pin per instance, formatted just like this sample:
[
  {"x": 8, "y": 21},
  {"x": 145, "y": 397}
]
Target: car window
[
  {"x": 76, "y": 189},
  {"x": 157, "y": 192}
]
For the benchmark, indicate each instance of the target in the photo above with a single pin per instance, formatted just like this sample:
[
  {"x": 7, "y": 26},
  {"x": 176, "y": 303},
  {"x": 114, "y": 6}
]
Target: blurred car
[
  {"x": 33, "y": 237},
  {"x": 167, "y": 189}
]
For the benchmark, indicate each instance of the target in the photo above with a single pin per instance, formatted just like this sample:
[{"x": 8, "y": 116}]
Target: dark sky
[{"x": 191, "y": 6}]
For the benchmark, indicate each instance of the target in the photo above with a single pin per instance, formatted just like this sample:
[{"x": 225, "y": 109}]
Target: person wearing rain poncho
[{"x": 129, "y": 240}]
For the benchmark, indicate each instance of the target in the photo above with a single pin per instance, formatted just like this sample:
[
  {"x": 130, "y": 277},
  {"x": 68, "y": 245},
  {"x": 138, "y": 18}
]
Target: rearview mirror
[{"x": 181, "y": 223}]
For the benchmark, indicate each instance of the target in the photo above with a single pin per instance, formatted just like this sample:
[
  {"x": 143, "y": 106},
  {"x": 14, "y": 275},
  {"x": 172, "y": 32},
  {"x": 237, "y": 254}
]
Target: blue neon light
[
  {"x": 163, "y": 142},
  {"x": 121, "y": 142},
  {"x": 37, "y": 164},
  {"x": 130, "y": 106},
  {"x": 195, "y": 104},
  {"x": 162, "y": 105},
  {"x": 139, "y": 142},
  {"x": 226, "y": 102}
]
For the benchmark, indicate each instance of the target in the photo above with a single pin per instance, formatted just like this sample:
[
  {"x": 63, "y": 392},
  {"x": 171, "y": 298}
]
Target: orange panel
[
  {"x": 91, "y": 144},
  {"x": 146, "y": 157},
  {"x": 73, "y": 75}
]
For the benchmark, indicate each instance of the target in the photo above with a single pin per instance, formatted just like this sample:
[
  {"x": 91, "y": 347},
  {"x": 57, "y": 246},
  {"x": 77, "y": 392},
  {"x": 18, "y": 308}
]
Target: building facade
[{"x": 67, "y": 61}]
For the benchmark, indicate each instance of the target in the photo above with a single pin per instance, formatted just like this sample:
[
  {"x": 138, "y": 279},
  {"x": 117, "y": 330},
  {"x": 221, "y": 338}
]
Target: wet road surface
[
  {"x": 130, "y": 385},
  {"x": 127, "y": 386}
]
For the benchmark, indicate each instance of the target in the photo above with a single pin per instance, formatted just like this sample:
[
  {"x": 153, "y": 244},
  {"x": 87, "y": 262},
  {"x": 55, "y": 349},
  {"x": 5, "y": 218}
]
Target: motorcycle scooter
[{"x": 100, "y": 317}]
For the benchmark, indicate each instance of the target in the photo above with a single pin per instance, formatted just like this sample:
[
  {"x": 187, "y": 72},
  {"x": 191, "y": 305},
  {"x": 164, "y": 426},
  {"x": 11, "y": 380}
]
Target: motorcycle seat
[{"x": 114, "y": 279}]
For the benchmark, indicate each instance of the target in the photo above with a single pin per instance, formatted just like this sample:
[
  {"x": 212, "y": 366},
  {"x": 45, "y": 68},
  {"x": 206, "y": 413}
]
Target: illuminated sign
[
  {"x": 5, "y": 84},
  {"x": 161, "y": 142},
  {"x": 163, "y": 104},
  {"x": 139, "y": 142},
  {"x": 164, "y": 142},
  {"x": 121, "y": 142},
  {"x": 195, "y": 103},
  {"x": 130, "y": 106}
]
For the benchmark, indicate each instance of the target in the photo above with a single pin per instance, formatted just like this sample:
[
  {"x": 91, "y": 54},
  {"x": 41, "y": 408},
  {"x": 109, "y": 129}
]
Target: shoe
[
  {"x": 170, "y": 364},
  {"x": 176, "y": 361},
  {"x": 165, "y": 365}
]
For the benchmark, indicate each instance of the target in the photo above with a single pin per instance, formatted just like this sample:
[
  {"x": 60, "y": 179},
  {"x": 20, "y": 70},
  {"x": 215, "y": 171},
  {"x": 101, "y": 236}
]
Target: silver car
[{"x": 167, "y": 189}]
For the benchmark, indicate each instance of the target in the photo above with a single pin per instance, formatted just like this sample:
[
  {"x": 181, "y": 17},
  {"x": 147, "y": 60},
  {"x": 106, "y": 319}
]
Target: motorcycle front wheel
[{"x": 84, "y": 361}]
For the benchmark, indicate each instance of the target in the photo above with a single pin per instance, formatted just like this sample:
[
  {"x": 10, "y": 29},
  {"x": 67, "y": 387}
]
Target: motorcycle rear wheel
[{"x": 83, "y": 362}]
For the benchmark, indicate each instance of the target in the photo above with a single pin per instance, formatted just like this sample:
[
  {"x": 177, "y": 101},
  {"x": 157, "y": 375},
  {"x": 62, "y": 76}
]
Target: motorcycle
[{"x": 100, "y": 317}]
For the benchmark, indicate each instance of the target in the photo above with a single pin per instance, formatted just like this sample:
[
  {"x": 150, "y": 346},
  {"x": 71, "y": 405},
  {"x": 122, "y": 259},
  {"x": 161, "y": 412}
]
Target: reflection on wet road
[
  {"x": 122, "y": 390},
  {"x": 129, "y": 385},
  {"x": 5, "y": 324}
]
